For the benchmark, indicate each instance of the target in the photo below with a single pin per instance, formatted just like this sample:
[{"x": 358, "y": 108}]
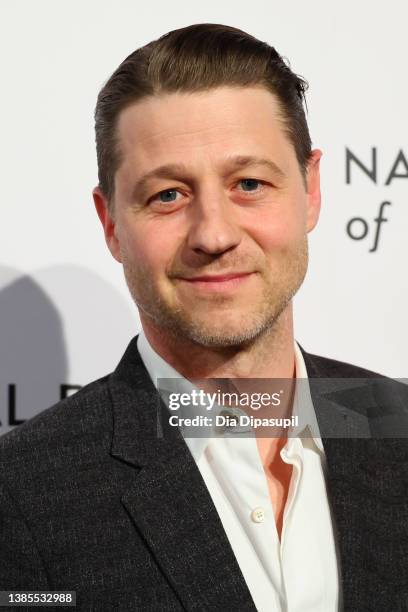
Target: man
[{"x": 208, "y": 187}]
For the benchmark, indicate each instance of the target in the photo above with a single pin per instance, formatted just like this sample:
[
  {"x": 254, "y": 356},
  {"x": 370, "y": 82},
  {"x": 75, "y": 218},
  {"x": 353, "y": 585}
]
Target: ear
[
  {"x": 313, "y": 189},
  {"x": 108, "y": 222}
]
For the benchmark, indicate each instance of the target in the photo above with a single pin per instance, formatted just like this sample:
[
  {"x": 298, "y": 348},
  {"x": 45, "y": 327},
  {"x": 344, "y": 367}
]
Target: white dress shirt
[{"x": 300, "y": 571}]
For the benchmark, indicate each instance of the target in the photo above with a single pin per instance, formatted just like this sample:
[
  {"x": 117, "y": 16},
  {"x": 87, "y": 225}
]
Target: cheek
[
  {"x": 280, "y": 233},
  {"x": 147, "y": 250},
  {"x": 280, "y": 223}
]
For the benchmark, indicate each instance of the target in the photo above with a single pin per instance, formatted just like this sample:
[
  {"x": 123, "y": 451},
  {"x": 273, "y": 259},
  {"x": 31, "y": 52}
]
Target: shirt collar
[
  {"x": 159, "y": 369},
  {"x": 303, "y": 403}
]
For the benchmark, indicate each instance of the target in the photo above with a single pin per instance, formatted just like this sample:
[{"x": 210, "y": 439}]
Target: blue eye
[
  {"x": 249, "y": 184},
  {"x": 167, "y": 195}
]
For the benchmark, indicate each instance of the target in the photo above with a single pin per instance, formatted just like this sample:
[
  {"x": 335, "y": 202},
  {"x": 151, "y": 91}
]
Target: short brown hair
[{"x": 196, "y": 58}]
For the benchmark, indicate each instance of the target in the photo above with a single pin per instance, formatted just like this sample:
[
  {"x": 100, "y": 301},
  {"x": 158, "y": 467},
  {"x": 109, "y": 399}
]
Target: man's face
[{"x": 211, "y": 213}]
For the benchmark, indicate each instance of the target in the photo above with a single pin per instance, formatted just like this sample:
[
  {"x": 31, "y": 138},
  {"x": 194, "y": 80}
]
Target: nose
[{"x": 214, "y": 226}]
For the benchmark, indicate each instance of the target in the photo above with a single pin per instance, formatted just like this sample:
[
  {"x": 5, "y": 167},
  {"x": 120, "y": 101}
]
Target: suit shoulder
[
  {"x": 383, "y": 386},
  {"x": 79, "y": 416},
  {"x": 337, "y": 369}
]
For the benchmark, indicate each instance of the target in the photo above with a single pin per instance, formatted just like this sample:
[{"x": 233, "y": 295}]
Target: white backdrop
[{"x": 65, "y": 313}]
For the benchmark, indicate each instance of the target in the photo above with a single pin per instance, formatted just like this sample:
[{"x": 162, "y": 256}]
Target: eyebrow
[{"x": 180, "y": 171}]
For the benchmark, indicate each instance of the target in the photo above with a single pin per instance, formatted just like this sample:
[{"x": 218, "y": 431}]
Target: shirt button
[{"x": 258, "y": 515}]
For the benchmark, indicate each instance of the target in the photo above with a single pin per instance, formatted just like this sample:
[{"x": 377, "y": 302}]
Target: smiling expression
[{"x": 211, "y": 213}]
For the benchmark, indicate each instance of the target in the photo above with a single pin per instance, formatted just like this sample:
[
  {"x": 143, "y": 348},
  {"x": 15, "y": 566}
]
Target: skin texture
[{"x": 217, "y": 214}]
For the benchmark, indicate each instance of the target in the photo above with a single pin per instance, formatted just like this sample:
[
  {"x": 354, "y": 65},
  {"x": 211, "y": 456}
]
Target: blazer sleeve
[{"x": 21, "y": 567}]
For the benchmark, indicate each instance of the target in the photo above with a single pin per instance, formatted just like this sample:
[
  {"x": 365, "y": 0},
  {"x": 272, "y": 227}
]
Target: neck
[{"x": 271, "y": 355}]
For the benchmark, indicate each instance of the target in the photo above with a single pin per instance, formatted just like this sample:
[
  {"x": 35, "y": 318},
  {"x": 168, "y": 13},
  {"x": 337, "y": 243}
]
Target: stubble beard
[{"x": 219, "y": 332}]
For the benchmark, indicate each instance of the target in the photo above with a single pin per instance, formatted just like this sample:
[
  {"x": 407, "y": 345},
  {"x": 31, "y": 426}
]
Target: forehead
[{"x": 202, "y": 126}]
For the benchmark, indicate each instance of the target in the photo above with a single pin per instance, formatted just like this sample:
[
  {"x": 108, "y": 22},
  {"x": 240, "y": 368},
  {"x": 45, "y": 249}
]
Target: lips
[
  {"x": 225, "y": 284},
  {"x": 217, "y": 278}
]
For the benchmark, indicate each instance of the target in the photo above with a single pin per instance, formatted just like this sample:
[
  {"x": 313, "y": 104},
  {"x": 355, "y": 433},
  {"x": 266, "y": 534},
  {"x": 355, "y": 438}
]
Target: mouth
[{"x": 218, "y": 283}]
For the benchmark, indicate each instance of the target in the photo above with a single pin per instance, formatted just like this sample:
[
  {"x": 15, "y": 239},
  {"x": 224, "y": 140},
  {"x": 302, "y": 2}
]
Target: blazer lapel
[
  {"x": 365, "y": 487},
  {"x": 168, "y": 500}
]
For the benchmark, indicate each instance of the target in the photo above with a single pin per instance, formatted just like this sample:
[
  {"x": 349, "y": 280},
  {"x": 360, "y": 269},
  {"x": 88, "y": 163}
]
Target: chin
[{"x": 223, "y": 338}]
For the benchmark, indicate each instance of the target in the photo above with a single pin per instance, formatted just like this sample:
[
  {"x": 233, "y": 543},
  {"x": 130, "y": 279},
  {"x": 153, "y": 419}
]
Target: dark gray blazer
[{"x": 93, "y": 500}]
